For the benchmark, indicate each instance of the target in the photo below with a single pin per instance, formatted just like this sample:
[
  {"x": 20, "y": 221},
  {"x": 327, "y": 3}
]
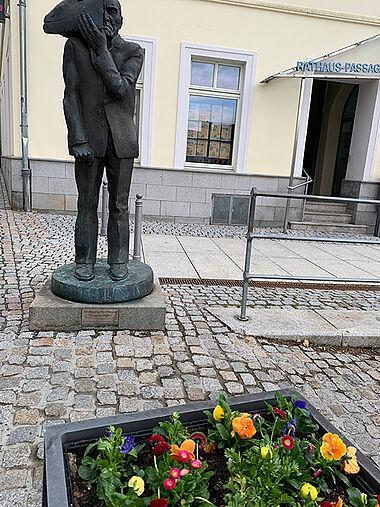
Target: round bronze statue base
[{"x": 102, "y": 289}]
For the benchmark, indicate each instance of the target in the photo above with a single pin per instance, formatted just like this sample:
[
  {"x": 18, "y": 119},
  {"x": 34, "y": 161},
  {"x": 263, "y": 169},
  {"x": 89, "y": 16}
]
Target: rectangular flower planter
[{"x": 59, "y": 440}]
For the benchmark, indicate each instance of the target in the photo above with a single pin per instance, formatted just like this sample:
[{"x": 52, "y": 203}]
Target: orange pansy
[
  {"x": 244, "y": 427},
  {"x": 338, "y": 503},
  {"x": 332, "y": 447},
  {"x": 351, "y": 467},
  {"x": 187, "y": 445}
]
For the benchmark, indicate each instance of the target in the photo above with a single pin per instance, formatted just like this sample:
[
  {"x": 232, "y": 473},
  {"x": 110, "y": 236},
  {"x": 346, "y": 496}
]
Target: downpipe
[{"x": 25, "y": 171}]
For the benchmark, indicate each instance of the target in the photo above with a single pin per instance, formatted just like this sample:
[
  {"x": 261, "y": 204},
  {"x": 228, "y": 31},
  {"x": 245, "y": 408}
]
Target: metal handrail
[
  {"x": 304, "y": 183},
  {"x": 251, "y": 235}
]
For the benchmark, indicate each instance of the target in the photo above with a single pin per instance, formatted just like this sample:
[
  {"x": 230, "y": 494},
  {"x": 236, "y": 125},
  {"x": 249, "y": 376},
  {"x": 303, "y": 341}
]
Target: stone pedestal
[
  {"x": 102, "y": 289},
  {"x": 50, "y": 312}
]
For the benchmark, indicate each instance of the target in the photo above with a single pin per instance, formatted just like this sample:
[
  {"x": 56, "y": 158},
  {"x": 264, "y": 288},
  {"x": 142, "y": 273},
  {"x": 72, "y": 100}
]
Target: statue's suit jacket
[{"x": 100, "y": 95}]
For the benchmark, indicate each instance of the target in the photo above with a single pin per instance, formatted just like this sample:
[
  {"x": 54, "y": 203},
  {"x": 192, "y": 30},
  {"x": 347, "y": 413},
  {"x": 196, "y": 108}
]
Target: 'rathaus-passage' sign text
[{"x": 363, "y": 68}]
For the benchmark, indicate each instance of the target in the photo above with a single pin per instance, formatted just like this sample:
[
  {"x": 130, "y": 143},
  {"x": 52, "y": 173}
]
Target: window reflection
[{"x": 211, "y": 128}]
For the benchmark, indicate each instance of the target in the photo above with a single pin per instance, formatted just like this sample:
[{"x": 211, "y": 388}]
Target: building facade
[{"x": 233, "y": 94}]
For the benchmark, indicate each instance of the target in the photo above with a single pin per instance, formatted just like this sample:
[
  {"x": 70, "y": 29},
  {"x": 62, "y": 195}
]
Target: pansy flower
[
  {"x": 218, "y": 413},
  {"x": 244, "y": 427},
  {"x": 332, "y": 447},
  {"x": 210, "y": 448},
  {"x": 129, "y": 444},
  {"x": 137, "y": 483},
  {"x": 279, "y": 413},
  {"x": 287, "y": 442},
  {"x": 184, "y": 453},
  {"x": 302, "y": 405},
  {"x": 309, "y": 490},
  {"x": 351, "y": 466}
]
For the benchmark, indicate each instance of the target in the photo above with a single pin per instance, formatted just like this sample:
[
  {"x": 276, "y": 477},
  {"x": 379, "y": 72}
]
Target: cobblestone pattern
[{"x": 49, "y": 378}]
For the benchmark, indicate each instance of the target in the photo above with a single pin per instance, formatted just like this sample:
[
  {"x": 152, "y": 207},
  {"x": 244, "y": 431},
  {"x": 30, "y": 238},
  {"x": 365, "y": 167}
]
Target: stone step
[
  {"x": 325, "y": 206},
  {"x": 340, "y": 218},
  {"x": 328, "y": 227}
]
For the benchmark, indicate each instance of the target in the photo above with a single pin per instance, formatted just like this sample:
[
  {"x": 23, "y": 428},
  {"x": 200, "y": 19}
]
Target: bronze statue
[{"x": 100, "y": 71}]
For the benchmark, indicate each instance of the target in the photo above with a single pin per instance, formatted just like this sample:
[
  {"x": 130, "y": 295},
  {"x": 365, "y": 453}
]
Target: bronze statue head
[{"x": 63, "y": 19}]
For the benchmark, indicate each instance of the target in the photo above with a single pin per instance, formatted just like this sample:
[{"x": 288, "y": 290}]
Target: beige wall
[{"x": 280, "y": 40}]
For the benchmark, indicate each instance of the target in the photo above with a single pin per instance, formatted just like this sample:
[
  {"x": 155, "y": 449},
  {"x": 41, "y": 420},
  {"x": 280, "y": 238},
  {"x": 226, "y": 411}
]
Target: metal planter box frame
[{"x": 58, "y": 438}]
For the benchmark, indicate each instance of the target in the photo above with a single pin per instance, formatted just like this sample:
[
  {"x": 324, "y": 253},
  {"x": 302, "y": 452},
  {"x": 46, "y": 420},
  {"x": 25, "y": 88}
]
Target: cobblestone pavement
[{"x": 50, "y": 378}]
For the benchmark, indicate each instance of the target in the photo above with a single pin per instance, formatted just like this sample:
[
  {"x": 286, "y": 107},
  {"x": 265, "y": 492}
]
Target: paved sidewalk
[
  {"x": 223, "y": 258},
  {"x": 49, "y": 378}
]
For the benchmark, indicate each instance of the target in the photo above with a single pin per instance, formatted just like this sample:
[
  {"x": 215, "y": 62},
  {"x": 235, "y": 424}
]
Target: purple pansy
[
  {"x": 302, "y": 405},
  {"x": 129, "y": 444}
]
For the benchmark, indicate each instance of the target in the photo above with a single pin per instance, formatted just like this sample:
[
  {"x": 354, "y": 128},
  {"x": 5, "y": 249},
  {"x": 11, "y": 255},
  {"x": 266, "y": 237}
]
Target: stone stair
[{"x": 327, "y": 217}]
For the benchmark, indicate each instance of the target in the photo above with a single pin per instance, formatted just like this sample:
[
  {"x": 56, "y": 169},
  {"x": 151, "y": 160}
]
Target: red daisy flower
[
  {"x": 201, "y": 437},
  {"x": 169, "y": 484},
  {"x": 161, "y": 448},
  {"x": 288, "y": 442},
  {"x": 159, "y": 502},
  {"x": 279, "y": 413},
  {"x": 156, "y": 438}
]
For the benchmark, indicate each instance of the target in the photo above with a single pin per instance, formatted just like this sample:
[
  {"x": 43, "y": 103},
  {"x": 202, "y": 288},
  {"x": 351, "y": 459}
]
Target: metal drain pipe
[{"x": 25, "y": 171}]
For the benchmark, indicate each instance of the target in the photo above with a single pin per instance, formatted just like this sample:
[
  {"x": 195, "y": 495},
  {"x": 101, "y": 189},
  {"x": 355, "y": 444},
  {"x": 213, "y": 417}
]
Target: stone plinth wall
[
  {"x": 169, "y": 194},
  {"x": 363, "y": 214}
]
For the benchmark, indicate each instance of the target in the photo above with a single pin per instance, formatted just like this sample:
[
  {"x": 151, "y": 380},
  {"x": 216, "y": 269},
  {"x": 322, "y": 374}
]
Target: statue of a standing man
[{"x": 100, "y": 72}]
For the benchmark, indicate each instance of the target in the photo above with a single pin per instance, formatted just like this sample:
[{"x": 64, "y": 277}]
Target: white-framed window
[
  {"x": 214, "y": 107},
  {"x": 145, "y": 98}
]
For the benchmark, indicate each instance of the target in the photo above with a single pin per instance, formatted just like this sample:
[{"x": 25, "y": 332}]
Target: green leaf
[
  {"x": 343, "y": 478},
  {"x": 223, "y": 432},
  {"x": 87, "y": 473},
  {"x": 89, "y": 448},
  {"x": 355, "y": 496}
]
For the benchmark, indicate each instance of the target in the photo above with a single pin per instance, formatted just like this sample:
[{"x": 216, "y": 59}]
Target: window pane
[
  {"x": 228, "y": 77},
  {"x": 210, "y": 130},
  {"x": 202, "y": 74}
]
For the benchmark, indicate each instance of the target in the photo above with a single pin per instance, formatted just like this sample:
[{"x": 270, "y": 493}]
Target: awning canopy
[{"x": 356, "y": 61}]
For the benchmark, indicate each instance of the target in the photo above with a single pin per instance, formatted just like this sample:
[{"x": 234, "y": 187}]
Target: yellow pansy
[
  {"x": 137, "y": 483},
  {"x": 307, "y": 489},
  {"x": 265, "y": 451},
  {"x": 218, "y": 413}
]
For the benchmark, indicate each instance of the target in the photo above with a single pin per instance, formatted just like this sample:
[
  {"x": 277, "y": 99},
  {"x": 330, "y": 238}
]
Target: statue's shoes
[
  {"x": 118, "y": 271},
  {"x": 84, "y": 272}
]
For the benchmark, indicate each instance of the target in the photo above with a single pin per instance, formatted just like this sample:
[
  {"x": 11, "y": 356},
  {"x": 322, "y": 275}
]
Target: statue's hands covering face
[
  {"x": 83, "y": 153},
  {"x": 94, "y": 38}
]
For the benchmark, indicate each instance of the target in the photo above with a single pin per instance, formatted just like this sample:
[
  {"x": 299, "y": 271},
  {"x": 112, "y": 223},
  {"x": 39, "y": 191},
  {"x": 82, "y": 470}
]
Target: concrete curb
[{"x": 343, "y": 328}]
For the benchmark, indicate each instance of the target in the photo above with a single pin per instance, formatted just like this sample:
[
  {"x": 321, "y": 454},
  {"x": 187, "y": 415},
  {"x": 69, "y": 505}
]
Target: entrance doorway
[{"x": 329, "y": 134}]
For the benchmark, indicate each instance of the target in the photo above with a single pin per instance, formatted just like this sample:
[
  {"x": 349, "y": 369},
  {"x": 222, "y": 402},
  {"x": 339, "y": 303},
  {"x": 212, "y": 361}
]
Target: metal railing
[
  {"x": 305, "y": 184},
  {"x": 137, "y": 224},
  {"x": 251, "y": 236}
]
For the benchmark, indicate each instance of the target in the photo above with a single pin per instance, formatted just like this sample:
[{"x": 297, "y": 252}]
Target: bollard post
[
  {"x": 138, "y": 228},
  {"x": 103, "y": 230},
  {"x": 248, "y": 253}
]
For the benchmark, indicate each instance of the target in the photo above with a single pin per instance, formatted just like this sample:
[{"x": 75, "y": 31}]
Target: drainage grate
[{"x": 269, "y": 284}]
